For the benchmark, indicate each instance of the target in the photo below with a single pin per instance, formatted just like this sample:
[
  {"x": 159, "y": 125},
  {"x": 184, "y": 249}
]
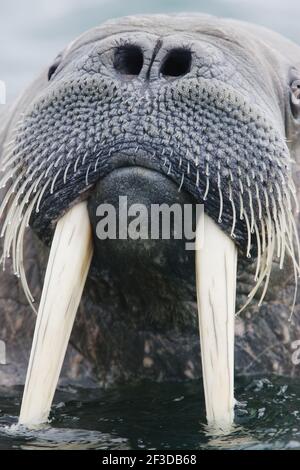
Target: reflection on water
[{"x": 158, "y": 416}]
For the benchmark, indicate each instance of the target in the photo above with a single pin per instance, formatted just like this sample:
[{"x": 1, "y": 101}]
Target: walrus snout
[{"x": 175, "y": 62}]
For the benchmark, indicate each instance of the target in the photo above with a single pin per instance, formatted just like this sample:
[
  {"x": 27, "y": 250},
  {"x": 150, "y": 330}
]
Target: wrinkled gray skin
[{"x": 148, "y": 112}]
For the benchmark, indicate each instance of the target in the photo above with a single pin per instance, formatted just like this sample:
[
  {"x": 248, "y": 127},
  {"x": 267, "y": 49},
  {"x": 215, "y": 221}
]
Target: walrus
[{"x": 162, "y": 109}]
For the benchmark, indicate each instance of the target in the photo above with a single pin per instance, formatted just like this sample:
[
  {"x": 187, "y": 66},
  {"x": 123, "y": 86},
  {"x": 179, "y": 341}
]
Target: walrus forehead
[{"x": 235, "y": 32}]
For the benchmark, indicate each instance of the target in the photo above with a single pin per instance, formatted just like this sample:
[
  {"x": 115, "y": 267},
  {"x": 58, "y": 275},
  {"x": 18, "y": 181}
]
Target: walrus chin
[{"x": 236, "y": 161}]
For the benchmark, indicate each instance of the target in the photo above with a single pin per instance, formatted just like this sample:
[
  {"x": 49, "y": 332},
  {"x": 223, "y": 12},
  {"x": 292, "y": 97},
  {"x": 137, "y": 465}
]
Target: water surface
[{"x": 158, "y": 416}]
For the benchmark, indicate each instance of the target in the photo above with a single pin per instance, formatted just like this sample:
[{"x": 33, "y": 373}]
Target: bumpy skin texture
[{"x": 222, "y": 131}]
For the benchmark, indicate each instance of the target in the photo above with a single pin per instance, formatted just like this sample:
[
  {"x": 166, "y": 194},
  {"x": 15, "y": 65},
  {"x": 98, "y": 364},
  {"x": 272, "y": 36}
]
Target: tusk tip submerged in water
[
  {"x": 216, "y": 269},
  {"x": 67, "y": 269}
]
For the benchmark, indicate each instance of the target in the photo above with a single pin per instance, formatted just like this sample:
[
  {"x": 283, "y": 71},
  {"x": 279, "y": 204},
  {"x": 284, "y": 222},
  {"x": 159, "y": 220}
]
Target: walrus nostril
[
  {"x": 128, "y": 60},
  {"x": 177, "y": 63}
]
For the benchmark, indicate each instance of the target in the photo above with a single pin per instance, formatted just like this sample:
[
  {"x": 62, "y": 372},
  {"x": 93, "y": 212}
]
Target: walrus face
[
  {"x": 199, "y": 113},
  {"x": 198, "y": 107},
  {"x": 183, "y": 105}
]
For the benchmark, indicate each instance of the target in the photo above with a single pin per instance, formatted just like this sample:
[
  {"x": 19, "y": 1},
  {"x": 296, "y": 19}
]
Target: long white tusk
[
  {"x": 67, "y": 269},
  {"x": 216, "y": 270}
]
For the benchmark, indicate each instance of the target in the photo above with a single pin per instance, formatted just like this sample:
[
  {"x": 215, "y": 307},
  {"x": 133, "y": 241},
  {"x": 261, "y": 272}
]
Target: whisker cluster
[{"x": 250, "y": 187}]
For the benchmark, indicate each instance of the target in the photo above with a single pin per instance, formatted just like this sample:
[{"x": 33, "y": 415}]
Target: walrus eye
[
  {"x": 295, "y": 98},
  {"x": 53, "y": 68}
]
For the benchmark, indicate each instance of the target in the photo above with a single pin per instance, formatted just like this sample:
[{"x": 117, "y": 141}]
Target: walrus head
[{"x": 184, "y": 108}]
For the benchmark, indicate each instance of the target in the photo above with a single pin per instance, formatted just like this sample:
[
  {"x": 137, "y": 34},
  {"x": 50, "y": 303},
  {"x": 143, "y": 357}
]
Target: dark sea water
[
  {"x": 158, "y": 416},
  {"x": 147, "y": 416}
]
